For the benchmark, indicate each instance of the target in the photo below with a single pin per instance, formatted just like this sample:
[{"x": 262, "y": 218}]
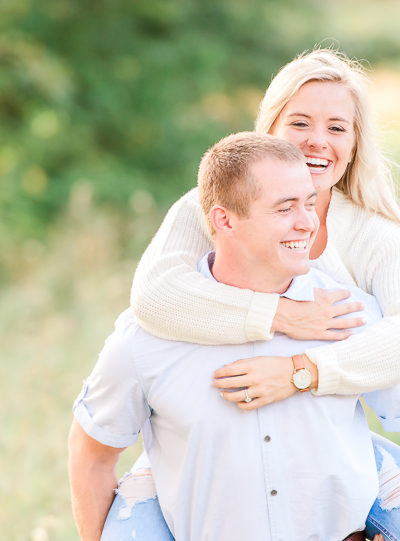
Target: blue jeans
[
  {"x": 384, "y": 516},
  {"x": 136, "y": 514}
]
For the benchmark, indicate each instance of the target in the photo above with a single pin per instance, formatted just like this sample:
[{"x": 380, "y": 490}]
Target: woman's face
[{"x": 319, "y": 119}]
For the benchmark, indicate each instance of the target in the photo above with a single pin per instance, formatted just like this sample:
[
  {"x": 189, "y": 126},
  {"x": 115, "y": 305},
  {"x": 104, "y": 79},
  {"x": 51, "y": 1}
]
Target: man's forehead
[
  {"x": 309, "y": 194},
  {"x": 281, "y": 180},
  {"x": 271, "y": 168}
]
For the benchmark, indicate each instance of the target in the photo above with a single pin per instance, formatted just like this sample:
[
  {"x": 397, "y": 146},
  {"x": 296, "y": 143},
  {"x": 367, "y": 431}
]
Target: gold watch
[{"x": 301, "y": 378}]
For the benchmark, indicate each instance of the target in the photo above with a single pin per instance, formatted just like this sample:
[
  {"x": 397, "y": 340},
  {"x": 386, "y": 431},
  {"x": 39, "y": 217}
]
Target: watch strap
[{"x": 298, "y": 362}]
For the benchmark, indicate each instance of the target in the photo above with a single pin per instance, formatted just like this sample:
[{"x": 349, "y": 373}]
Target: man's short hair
[{"x": 225, "y": 177}]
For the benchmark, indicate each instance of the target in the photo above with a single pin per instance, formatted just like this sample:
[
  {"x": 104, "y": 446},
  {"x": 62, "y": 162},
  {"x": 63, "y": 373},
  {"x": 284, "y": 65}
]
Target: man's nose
[{"x": 306, "y": 220}]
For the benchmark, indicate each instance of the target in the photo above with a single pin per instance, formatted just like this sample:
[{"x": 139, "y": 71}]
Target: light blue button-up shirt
[{"x": 297, "y": 470}]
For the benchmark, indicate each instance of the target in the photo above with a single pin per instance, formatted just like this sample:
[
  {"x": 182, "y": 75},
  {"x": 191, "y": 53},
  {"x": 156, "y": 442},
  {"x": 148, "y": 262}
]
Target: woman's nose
[{"x": 317, "y": 139}]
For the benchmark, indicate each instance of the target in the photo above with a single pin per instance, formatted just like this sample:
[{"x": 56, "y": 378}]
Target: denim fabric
[
  {"x": 141, "y": 521},
  {"x": 384, "y": 517}
]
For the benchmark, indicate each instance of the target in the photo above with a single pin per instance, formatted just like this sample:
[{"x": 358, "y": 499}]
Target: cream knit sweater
[{"x": 172, "y": 300}]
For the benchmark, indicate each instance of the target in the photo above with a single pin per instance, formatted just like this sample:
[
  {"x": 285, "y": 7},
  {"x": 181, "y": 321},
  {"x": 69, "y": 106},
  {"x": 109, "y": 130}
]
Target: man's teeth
[
  {"x": 317, "y": 161},
  {"x": 302, "y": 244}
]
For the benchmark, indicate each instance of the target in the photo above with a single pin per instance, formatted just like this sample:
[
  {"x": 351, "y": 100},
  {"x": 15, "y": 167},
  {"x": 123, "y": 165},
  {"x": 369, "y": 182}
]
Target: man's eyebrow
[
  {"x": 292, "y": 199},
  {"x": 332, "y": 119}
]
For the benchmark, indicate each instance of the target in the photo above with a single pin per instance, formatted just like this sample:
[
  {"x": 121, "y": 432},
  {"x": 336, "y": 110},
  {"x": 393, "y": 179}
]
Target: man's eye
[{"x": 285, "y": 211}]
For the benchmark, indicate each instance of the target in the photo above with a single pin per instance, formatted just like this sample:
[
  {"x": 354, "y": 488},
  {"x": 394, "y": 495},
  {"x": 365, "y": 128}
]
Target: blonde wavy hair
[{"x": 368, "y": 180}]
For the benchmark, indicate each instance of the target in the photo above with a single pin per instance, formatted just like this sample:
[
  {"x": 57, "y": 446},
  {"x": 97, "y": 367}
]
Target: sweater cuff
[
  {"x": 328, "y": 370},
  {"x": 261, "y": 312}
]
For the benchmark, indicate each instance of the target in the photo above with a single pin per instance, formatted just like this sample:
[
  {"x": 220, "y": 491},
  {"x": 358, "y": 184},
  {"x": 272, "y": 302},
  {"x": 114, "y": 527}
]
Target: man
[{"x": 299, "y": 469}]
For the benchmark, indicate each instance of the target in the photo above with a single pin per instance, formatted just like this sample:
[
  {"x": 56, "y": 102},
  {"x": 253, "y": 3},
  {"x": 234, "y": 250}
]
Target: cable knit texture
[{"x": 172, "y": 300}]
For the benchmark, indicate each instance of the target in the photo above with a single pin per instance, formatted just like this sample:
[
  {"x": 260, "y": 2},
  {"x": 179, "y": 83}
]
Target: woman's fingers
[
  {"x": 236, "y": 396},
  {"x": 240, "y": 398},
  {"x": 335, "y": 335},
  {"x": 321, "y": 295},
  {"x": 237, "y": 368},
  {"x": 263, "y": 379},
  {"x": 253, "y": 405},
  {"x": 334, "y": 321},
  {"x": 315, "y": 320},
  {"x": 346, "y": 308},
  {"x": 231, "y": 383},
  {"x": 347, "y": 323}
]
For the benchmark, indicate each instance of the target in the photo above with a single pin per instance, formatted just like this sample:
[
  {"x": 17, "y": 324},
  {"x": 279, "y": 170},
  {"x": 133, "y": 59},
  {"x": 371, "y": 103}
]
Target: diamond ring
[{"x": 247, "y": 399}]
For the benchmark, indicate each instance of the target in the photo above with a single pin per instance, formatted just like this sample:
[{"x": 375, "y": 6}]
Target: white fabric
[
  {"x": 173, "y": 301},
  {"x": 215, "y": 474}
]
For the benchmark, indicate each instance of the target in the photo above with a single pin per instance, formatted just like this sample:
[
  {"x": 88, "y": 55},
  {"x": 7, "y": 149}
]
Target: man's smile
[{"x": 295, "y": 244}]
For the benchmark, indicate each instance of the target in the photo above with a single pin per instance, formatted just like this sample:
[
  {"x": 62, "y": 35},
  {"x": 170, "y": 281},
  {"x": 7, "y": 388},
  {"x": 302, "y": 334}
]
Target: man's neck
[{"x": 233, "y": 270}]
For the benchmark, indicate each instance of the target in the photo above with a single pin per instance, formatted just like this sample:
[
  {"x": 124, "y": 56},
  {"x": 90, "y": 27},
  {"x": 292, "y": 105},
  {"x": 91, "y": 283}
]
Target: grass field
[{"x": 55, "y": 318}]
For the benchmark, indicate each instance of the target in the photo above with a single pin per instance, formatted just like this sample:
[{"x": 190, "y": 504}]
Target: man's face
[{"x": 277, "y": 235}]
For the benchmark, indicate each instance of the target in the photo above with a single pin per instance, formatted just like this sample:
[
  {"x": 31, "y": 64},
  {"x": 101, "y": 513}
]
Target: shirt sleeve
[
  {"x": 112, "y": 407},
  {"x": 172, "y": 300},
  {"x": 369, "y": 360}
]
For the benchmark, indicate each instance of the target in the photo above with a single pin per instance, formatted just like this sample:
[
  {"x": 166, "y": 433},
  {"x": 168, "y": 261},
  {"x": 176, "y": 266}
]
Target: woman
[{"x": 317, "y": 102}]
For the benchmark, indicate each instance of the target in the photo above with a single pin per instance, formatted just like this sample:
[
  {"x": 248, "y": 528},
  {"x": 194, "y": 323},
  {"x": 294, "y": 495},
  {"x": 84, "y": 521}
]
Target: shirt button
[
  {"x": 274, "y": 492},
  {"x": 267, "y": 438}
]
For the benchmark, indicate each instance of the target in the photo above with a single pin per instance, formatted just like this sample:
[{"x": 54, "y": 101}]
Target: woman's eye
[
  {"x": 337, "y": 128},
  {"x": 299, "y": 124}
]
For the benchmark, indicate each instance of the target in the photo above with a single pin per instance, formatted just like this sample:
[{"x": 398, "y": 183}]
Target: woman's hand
[
  {"x": 318, "y": 319},
  {"x": 267, "y": 380}
]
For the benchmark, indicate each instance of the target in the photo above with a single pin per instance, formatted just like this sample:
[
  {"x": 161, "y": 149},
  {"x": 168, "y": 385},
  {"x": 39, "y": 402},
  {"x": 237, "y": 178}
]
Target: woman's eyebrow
[{"x": 334, "y": 119}]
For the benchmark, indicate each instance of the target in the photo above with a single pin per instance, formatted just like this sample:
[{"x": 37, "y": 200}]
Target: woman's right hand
[{"x": 319, "y": 319}]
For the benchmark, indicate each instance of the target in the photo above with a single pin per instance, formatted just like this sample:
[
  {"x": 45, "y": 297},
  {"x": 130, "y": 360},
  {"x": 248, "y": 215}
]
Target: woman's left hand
[{"x": 267, "y": 379}]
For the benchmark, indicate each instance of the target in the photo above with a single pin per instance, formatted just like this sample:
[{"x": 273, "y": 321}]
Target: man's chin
[{"x": 301, "y": 269}]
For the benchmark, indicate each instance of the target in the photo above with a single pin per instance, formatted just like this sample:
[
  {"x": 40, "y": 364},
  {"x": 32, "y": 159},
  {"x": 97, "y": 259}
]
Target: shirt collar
[{"x": 300, "y": 289}]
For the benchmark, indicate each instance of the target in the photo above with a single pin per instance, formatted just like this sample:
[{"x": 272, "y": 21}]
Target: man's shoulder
[
  {"x": 135, "y": 342},
  {"x": 322, "y": 280}
]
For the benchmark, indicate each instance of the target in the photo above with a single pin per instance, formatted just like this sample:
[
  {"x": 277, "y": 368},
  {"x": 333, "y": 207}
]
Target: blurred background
[{"x": 105, "y": 110}]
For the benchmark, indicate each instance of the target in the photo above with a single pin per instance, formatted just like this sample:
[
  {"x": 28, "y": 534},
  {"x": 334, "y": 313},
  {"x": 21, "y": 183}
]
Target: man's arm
[{"x": 92, "y": 479}]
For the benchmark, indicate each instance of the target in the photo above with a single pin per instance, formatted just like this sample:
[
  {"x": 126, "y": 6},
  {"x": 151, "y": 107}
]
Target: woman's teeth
[
  {"x": 317, "y": 162},
  {"x": 300, "y": 244}
]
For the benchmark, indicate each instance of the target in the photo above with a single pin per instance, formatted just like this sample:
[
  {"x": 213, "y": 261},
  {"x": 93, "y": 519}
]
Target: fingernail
[{"x": 221, "y": 394}]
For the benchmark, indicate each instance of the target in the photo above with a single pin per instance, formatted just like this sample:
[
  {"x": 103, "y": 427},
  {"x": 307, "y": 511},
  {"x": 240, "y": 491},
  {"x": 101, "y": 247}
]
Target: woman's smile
[{"x": 319, "y": 120}]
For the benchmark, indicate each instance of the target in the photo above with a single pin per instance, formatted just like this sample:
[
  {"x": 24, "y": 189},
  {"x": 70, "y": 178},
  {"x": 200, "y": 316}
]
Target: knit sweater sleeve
[
  {"x": 370, "y": 359},
  {"x": 174, "y": 301}
]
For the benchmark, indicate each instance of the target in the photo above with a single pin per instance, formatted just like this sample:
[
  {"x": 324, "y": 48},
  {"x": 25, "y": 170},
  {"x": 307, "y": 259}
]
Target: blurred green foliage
[
  {"x": 125, "y": 95},
  {"x": 106, "y": 107}
]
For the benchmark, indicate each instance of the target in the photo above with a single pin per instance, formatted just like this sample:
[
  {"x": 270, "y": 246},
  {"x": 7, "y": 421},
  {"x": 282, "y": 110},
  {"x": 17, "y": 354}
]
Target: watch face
[{"x": 302, "y": 378}]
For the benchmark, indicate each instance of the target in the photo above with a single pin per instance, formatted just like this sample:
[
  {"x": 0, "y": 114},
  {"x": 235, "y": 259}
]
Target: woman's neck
[
  {"x": 322, "y": 205},
  {"x": 321, "y": 239}
]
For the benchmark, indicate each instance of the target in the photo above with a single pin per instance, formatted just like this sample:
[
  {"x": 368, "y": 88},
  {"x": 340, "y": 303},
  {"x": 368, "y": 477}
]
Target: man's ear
[{"x": 220, "y": 219}]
